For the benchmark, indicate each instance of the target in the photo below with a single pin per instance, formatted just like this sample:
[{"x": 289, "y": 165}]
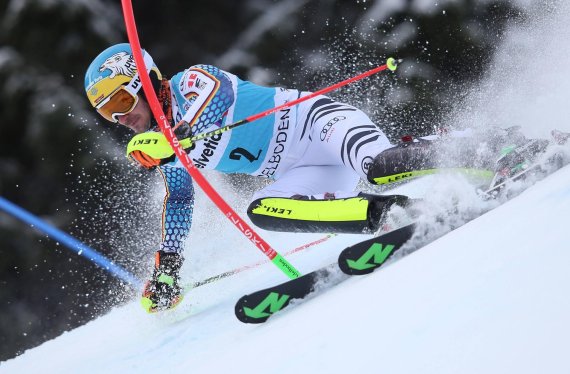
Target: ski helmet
[{"x": 112, "y": 82}]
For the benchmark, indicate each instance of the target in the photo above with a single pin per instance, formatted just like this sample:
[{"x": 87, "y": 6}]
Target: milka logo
[{"x": 120, "y": 63}]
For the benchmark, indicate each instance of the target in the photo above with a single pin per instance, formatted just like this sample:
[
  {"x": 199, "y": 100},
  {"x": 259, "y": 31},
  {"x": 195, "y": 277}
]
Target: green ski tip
[{"x": 392, "y": 63}]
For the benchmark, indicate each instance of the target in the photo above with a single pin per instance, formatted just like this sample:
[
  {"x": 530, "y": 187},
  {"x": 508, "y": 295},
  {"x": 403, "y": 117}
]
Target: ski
[
  {"x": 257, "y": 307},
  {"x": 366, "y": 256},
  {"x": 536, "y": 170}
]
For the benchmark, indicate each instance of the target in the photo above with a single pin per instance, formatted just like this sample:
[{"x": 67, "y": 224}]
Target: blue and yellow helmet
[{"x": 113, "y": 68}]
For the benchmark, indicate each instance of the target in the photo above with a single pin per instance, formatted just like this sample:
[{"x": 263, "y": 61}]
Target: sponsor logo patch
[
  {"x": 327, "y": 128},
  {"x": 210, "y": 146},
  {"x": 280, "y": 140},
  {"x": 366, "y": 163}
]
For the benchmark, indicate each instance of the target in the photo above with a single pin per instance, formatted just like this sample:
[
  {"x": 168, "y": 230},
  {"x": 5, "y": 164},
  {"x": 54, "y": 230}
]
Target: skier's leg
[
  {"x": 340, "y": 134},
  {"x": 343, "y": 135},
  {"x": 463, "y": 151},
  {"x": 299, "y": 202}
]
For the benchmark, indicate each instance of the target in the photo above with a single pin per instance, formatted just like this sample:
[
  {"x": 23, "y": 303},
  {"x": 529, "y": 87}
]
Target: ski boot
[
  {"x": 516, "y": 161},
  {"x": 410, "y": 158},
  {"x": 387, "y": 213},
  {"x": 162, "y": 291}
]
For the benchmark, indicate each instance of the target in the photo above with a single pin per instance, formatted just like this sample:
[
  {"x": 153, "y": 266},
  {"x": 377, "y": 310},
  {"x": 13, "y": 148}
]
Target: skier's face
[{"x": 138, "y": 119}]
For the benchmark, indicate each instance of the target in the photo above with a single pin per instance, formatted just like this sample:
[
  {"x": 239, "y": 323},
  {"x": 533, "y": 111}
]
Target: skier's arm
[{"x": 177, "y": 209}]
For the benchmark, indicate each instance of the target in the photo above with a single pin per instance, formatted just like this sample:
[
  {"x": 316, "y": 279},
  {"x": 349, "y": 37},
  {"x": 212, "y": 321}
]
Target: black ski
[
  {"x": 257, "y": 307},
  {"x": 364, "y": 257},
  {"x": 367, "y": 255}
]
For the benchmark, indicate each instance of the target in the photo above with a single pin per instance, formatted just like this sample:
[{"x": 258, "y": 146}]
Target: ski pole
[
  {"x": 229, "y": 273},
  {"x": 391, "y": 64},
  {"x": 168, "y": 132},
  {"x": 70, "y": 242}
]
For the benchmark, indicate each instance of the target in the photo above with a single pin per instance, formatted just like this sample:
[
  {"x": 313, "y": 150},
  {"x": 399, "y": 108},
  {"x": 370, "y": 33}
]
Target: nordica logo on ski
[
  {"x": 377, "y": 253},
  {"x": 271, "y": 304},
  {"x": 210, "y": 146}
]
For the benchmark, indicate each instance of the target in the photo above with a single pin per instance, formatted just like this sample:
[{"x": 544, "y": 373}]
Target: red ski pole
[{"x": 391, "y": 64}]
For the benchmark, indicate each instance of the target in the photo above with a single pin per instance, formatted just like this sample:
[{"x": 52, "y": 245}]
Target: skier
[{"x": 315, "y": 152}]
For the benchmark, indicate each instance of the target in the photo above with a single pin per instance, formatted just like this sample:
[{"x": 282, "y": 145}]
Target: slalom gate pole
[
  {"x": 70, "y": 242},
  {"x": 168, "y": 132},
  {"x": 391, "y": 64}
]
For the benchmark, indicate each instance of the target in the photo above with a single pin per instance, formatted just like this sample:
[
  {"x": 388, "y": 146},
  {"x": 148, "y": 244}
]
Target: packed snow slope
[{"x": 489, "y": 297}]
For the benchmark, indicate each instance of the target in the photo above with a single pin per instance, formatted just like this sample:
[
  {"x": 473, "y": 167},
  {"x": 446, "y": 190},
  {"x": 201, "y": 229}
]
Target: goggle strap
[{"x": 135, "y": 85}]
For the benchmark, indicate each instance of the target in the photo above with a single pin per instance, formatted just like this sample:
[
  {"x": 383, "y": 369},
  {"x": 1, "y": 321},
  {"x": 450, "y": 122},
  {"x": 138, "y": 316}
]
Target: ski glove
[{"x": 151, "y": 149}]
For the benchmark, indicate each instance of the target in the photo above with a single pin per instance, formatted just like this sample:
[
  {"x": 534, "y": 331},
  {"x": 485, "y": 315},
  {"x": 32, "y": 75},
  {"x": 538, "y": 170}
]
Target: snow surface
[{"x": 490, "y": 297}]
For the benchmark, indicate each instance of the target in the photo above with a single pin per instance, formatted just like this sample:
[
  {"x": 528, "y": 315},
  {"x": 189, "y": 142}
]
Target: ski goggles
[{"x": 121, "y": 101}]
